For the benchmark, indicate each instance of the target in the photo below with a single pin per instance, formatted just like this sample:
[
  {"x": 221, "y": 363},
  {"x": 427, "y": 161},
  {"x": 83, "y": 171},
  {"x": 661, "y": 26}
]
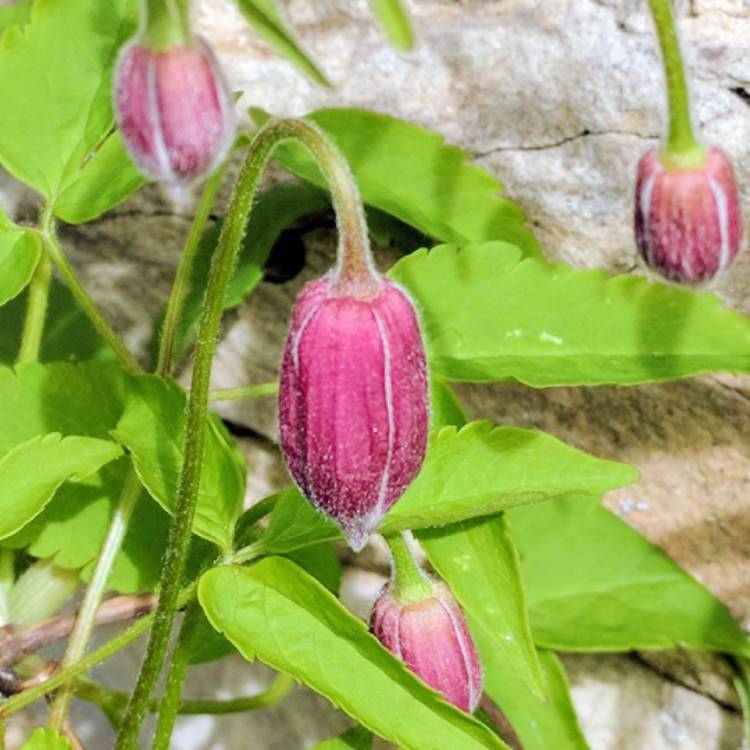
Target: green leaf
[
  {"x": 19, "y": 252},
  {"x": 14, "y": 14},
  {"x": 272, "y": 213},
  {"x": 31, "y": 472},
  {"x": 354, "y": 739},
  {"x": 595, "y": 584},
  {"x": 321, "y": 562},
  {"x": 107, "y": 178},
  {"x": 265, "y": 18},
  {"x": 540, "y": 726},
  {"x": 488, "y": 315},
  {"x": 68, "y": 335},
  {"x": 284, "y": 616},
  {"x": 56, "y": 78},
  {"x": 478, "y": 470},
  {"x": 47, "y": 739},
  {"x": 481, "y": 469},
  {"x": 414, "y": 175},
  {"x": 395, "y": 21},
  {"x": 152, "y": 428},
  {"x": 479, "y": 562},
  {"x": 207, "y": 644}
]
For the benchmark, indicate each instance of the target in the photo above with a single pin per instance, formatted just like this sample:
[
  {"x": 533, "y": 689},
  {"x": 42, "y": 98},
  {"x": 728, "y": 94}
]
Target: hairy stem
[
  {"x": 353, "y": 236},
  {"x": 182, "y": 277},
  {"x": 170, "y": 704},
  {"x": 100, "y": 323},
  {"x": 166, "y": 22},
  {"x": 410, "y": 582},
  {"x": 95, "y": 591},
  {"x": 245, "y": 393},
  {"x": 683, "y": 147}
]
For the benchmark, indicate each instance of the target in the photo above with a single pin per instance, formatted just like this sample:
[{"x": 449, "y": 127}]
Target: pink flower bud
[
  {"x": 353, "y": 401},
  {"x": 430, "y": 636},
  {"x": 174, "y": 110},
  {"x": 688, "y": 224}
]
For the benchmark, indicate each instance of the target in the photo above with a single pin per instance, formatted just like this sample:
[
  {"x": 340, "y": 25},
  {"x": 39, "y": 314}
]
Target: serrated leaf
[
  {"x": 68, "y": 335},
  {"x": 57, "y": 88},
  {"x": 264, "y": 16},
  {"x": 595, "y": 584},
  {"x": 152, "y": 428},
  {"x": 488, "y": 315},
  {"x": 281, "y": 614},
  {"x": 19, "y": 252},
  {"x": 415, "y": 175},
  {"x": 31, "y": 472},
  {"x": 106, "y": 179},
  {"x": 47, "y": 739},
  {"x": 540, "y": 726},
  {"x": 395, "y": 21},
  {"x": 476, "y": 471},
  {"x": 479, "y": 562},
  {"x": 353, "y": 739}
]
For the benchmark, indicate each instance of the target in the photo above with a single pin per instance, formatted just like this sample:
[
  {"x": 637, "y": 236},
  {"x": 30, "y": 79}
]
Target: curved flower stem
[
  {"x": 410, "y": 582},
  {"x": 170, "y": 703},
  {"x": 166, "y": 22},
  {"x": 245, "y": 393},
  {"x": 353, "y": 241},
  {"x": 100, "y": 323},
  {"x": 683, "y": 147},
  {"x": 36, "y": 310},
  {"x": 120, "y": 641},
  {"x": 182, "y": 277},
  {"x": 84, "y": 625}
]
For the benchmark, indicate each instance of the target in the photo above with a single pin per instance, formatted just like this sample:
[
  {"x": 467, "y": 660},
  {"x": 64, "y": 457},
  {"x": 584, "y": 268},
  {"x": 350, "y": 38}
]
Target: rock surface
[{"x": 558, "y": 99}]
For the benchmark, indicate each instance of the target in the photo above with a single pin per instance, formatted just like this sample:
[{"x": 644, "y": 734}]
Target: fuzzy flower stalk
[
  {"x": 420, "y": 622},
  {"x": 353, "y": 397},
  {"x": 173, "y": 104},
  {"x": 688, "y": 224}
]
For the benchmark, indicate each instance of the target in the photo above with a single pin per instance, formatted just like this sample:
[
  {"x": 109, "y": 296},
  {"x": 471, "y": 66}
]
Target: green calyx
[{"x": 409, "y": 582}]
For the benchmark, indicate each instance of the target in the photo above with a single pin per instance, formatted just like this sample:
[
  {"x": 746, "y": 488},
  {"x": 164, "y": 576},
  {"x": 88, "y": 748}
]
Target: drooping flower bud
[
  {"x": 688, "y": 224},
  {"x": 353, "y": 401},
  {"x": 430, "y": 636},
  {"x": 174, "y": 110}
]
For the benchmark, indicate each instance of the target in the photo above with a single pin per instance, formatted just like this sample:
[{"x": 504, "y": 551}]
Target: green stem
[
  {"x": 182, "y": 277},
  {"x": 170, "y": 704},
  {"x": 245, "y": 393},
  {"x": 113, "y": 701},
  {"x": 683, "y": 149},
  {"x": 353, "y": 240},
  {"x": 100, "y": 323},
  {"x": 410, "y": 582},
  {"x": 166, "y": 23},
  {"x": 120, "y": 641},
  {"x": 84, "y": 625},
  {"x": 36, "y": 310}
]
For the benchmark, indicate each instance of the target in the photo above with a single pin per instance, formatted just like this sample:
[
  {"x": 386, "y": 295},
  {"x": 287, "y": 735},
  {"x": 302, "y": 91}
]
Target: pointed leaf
[
  {"x": 19, "y": 252},
  {"x": 264, "y": 16},
  {"x": 57, "y": 88},
  {"x": 284, "y": 616},
  {"x": 31, "y": 472},
  {"x": 414, "y": 175},
  {"x": 488, "y": 315},
  {"x": 479, "y": 562},
  {"x": 540, "y": 726},
  {"x": 152, "y": 428},
  {"x": 595, "y": 584},
  {"x": 394, "y": 19}
]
